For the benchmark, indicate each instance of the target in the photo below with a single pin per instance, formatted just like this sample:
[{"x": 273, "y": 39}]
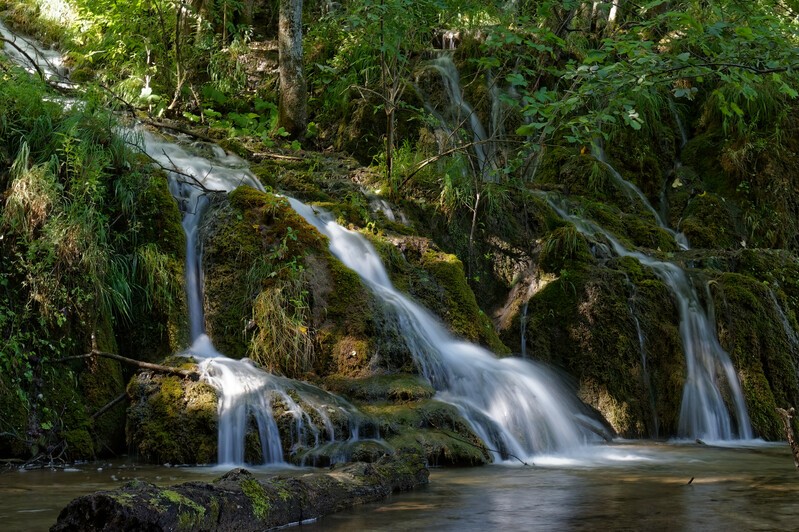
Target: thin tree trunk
[
  {"x": 292, "y": 110},
  {"x": 786, "y": 416},
  {"x": 390, "y": 143}
]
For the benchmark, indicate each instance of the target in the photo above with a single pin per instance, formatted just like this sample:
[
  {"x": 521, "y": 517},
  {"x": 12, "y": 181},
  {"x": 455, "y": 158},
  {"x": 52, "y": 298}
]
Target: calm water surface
[{"x": 626, "y": 486}]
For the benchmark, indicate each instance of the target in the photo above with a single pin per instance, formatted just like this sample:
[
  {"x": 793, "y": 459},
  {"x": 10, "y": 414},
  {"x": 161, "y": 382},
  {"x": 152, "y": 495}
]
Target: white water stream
[
  {"x": 703, "y": 412},
  {"x": 460, "y": 115},
  {"x": 248, "y": 395},
  {"x": 633, "y": 191},
  {"x": 517, "y": 407},
  {"x": 23, "y": 50}
]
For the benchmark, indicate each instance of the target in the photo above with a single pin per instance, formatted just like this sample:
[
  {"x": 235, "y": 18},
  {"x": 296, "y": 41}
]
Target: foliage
[
  {"x": 281, "y": 312},
  {"x": 740, "y": 54},
  {"x": 70, "y": 256}
]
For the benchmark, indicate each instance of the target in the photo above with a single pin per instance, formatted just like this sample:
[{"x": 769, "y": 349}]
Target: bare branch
[{"x": 193, "y": 375}]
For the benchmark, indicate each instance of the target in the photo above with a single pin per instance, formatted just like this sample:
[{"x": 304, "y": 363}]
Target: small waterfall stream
[
  {"x": 23, "y": 50},
  {"x": 631, "y": 190},
  {"x": 517, "y": 407},
  {"x": 703, "y": 412},
  {"x": 247, "y": 393},
  {"x": 460, "y": 114}
]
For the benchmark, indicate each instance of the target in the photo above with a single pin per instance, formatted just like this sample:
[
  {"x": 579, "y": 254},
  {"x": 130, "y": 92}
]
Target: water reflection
[{"x": 626, "y": 486}]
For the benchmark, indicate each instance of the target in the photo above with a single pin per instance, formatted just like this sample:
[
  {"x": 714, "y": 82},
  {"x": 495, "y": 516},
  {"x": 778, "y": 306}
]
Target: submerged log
[
  {"x": 786, "y": 416},
  {"x": 239, "y": 501}
]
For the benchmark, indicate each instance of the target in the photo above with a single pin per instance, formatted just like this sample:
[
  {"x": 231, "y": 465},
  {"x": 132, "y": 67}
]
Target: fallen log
[
  {"x": 239, "y": 501},
  {"x": 786, "y": 416}
]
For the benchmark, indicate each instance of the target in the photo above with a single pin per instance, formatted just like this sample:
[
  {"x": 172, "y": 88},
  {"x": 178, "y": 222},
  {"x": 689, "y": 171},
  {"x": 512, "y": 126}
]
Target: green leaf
[
  {"x": 788, "y": 91},
  {"x": 516, "y": 80}
]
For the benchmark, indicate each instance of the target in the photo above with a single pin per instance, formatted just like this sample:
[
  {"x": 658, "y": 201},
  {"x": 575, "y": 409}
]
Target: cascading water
[
  {"x": 703, "y": 413},
  {"x": 516, "y": 406},
  {"x": 32, "y": 56},
  {"x": 246, "y": 392},
  {"x": 632, "y": 190},
  {"x": 460, "y": 114}
]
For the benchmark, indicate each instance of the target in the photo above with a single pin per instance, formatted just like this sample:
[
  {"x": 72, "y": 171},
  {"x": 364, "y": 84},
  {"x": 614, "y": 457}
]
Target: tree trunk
[
  {"x": 292, "y": 114},
  {"x": 787, "y": 416}
]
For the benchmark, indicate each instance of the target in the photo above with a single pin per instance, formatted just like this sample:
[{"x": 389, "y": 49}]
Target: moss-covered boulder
[
  {"x": 615, "y": 331},
  {"x": 172, "y": 420},
  {"x": 438, "y": 281},
  {"x": 274, "y": 292},
  {"x": 708, "y": 222},
  {"x": 762, "y": 345},
  {"x": 435, "y": 429}
]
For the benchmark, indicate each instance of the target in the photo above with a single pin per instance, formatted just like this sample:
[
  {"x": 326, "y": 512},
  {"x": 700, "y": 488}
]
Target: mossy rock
[
  {"x": 584, "y": 322},
  {"x": 639, "y": 229},
  {"x": 158, "y": 325},
  {"x": 701, "y": 153},
  {"x": 241, "y": 230},
  {"x": 709, "y": 222},
  {"x": 395, "y": 388},
  {"x": 564, "y": 245},
  {"x": 172, "y": 420},
  {"x": 431, "y": 427},
  {"x": 437, "y": 280},
  {"x": 753, "y": 333}
]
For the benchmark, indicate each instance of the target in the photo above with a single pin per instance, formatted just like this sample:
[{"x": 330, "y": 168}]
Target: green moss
[
  {"x": 709, "y": 223},
  {"x": 701, "y": 153},
  {"x": 639, "y": 229},
  {"x": 584, "y": 321},
  {"x": 255, "y": 492},
  {"x": 751, "y": 331},
  {"x": 436, "y": 429},
  {"x": 172, "y": 420},
  {"x": 190, "y": 513},
  {"x": 124, "y": 499},
  {"x": 440, "y": 448},
  {"x": 564, "y": 244},
  {"x": 396, "y": 388},
  {"x": 438, "y": 281}
]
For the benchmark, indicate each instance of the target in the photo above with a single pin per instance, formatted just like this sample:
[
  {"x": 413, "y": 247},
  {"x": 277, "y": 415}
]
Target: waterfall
[
  {"x": 517, "y": 407},
  {"x": 461, "y": 114},
  {"x": 703, "y": 413},
  {"x": 632, "y": 190},
  {"x": 32, "y": 56},
  {"x": 310, "y": 415}
]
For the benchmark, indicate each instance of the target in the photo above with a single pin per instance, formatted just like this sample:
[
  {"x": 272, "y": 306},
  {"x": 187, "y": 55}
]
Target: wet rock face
[
  {"x": 172, "y": 420},
  {"x": 239, "y": 501}
]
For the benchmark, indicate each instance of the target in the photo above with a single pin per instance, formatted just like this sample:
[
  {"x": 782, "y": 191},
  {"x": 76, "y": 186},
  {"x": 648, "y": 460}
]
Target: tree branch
[
  {"x": 29, "y": 58},
  {"x": 193, "y": 375},
  {"x": 760, "y": 71}
]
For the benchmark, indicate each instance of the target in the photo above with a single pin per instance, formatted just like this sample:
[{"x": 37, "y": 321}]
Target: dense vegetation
[{"x": 692, "y": 101}]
